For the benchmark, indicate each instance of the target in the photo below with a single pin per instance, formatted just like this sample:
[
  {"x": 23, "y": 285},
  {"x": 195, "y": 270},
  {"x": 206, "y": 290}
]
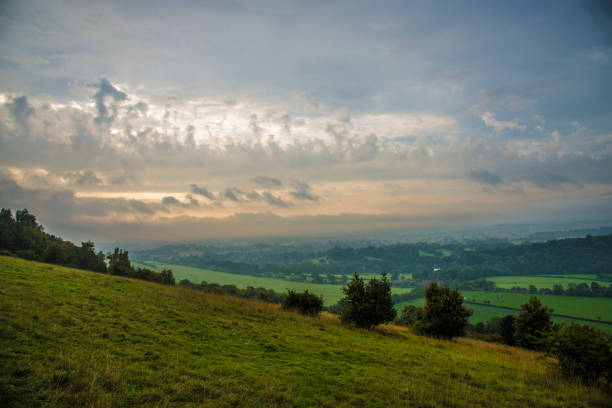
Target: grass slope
[
  {"x": 331, "y": 293},
  {"x": 75, "y": 338}
]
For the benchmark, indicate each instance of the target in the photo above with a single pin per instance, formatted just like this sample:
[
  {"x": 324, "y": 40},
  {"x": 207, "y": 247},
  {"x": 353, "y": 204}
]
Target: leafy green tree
[
  {"x": 119, "y": 263},
  {"x": 506, "y": 330},
  {"x": 585, "y": 352},
  {"x": 305, "y": 303},
  {"x": 443, "y": 315},
  {"x": 532, "y": 326},
  {"x": 166, "y": 277},
  {"x": 367, "y": 305}
]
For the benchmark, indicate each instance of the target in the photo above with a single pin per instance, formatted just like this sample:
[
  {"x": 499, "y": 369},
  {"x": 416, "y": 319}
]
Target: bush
[
  {"x": 532, "y": 326},
  {"x": 443, "y": 315},
  {"x": 585, "y": 352},
  {"x": 305, "y": 303},
  {"x": 367, "y": 305},
  {"x": 410, "y": 314}
]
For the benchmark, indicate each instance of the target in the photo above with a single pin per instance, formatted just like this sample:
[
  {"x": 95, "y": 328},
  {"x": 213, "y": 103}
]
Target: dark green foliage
[
  {"x": 119, "y": 263},
  {"x": 305, "y": 303},
  {"x": 367, "y": 305},
  {"x": 585, "y": 352},
  {"x": 506, "y": 330},
  {"x": 267, "y": 295},
  {"x": 444, "y": 315},
  {"x": 410, "y": 314},
  {"x": 532, "y": 325},
  {"x": 23, "y": 237}
]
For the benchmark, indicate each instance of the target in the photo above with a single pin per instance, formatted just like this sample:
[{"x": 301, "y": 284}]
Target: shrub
[
  {"x": 305, "y": 303},
  {"x": 585, "y": 352},
  {"x": 443, "y": 315},
  {"x": 532, "y": 326},
  {"x": 367, "y": 305},
  {"x": 410, "y": 314}
]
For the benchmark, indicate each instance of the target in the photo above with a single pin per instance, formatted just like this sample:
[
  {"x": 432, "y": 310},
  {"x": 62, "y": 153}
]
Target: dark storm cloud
[
  {"x": 485, "y": 177},
  {"x": 195, "y": 189},
  {"x": 268, "y": 182},
  {"x": 106, "y": 89}
]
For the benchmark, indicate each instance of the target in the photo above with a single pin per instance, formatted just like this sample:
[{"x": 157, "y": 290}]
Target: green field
[
  {"x": 567, "y": 305},
  {"x": 484, "y": 313},
  {"x": 542, "y": 281},
  {"x": 586, "y": 307},
  {"x": 71, "y": 338},
  {"x": 331, "y": 293}
]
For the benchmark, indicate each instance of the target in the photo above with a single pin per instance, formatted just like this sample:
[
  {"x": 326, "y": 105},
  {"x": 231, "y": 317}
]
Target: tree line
[
  {"x": 23, "y": 237},
  {"x": 573, "y": 289}
]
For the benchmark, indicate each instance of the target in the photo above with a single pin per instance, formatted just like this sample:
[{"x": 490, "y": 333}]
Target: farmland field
[
  {"x": 567, "y": 305},
  {"x": 543, "y": 281},
  {"x": 586, "y": 307},
  {"x": 331, "y": 293},
  {"x": 484, "y": 313}
]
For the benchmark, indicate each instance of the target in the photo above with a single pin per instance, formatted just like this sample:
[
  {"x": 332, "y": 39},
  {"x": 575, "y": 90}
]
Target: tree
[
  {"x": 443, "y": 315},
  {"x": 506, "y": 329},
  {"x": 305, "y": 303},
  {"x": 166, "y": 277},
  {"x": 585, "y": 352},
  {"x": 532, "y": 326},
  {"x": 119, "y": 263},
  {"x": 367, "y": 305}
]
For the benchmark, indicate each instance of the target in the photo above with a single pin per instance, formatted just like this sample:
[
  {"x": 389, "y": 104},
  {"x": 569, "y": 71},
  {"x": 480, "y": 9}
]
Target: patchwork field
[
  {"x": 543, "y": 281},
  {"x": 331, "y": 293},
  {"x": 71, "y": 338}
]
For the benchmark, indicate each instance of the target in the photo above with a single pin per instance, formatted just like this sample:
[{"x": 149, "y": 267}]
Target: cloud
[
  {"x": 169, "y": 200},
  {"x": 195, "y": 189},
  {"x": 485, "y": 177},
  {"x": 105, "y": 88},
  {"x": 500, "y": 125},
  {"x": 84, "y": 178},
  {"x": 275, "y": 200},
  {"x": 302, "y": 191},
  {"x": 20, "y": 108},
  {"x": 268, "y": 182},
  {"x": 231, "y": 193}
]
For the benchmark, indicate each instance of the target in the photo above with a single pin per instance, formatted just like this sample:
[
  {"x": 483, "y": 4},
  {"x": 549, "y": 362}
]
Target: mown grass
[
  {"x": 71, "y": 338},
  {"x": 331, "y": 293}
]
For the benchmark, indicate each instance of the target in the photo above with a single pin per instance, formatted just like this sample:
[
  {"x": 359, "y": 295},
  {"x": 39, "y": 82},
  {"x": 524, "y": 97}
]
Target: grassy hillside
[{"x": 75, "y": 338}]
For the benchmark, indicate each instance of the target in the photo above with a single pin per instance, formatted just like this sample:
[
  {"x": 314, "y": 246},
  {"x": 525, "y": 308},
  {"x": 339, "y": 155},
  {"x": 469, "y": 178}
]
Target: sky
[{"x": 190, "y": 119}]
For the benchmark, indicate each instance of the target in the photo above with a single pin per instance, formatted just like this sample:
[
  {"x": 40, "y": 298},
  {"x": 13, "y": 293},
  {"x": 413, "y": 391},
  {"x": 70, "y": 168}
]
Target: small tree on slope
[
  {"x": 443, "y": 315},
  {"x": 367, "y": 305}
]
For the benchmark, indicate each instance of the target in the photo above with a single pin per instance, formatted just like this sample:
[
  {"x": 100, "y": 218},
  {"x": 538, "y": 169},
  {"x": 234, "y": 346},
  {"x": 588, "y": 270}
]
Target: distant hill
[{"x": 73, "y": 338}]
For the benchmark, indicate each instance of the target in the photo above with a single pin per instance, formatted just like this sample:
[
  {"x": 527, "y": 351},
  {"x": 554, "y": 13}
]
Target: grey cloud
[
  {"x": 20, "y": 108},
  {"x": 268, "y": 182},
  {"x": 169, "y": 200},
  {"x": 254, "y": 196},
  {"x": 84, "y": 177},
  {"x": 485, "y": 177},
  {"x": 105, "y": 88},
  {"x": 195, "y": 189},
  {"x": 275, "y": 200},
  {"x": 231, "y": 193},
  {"x": 302, "y": 191}
]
